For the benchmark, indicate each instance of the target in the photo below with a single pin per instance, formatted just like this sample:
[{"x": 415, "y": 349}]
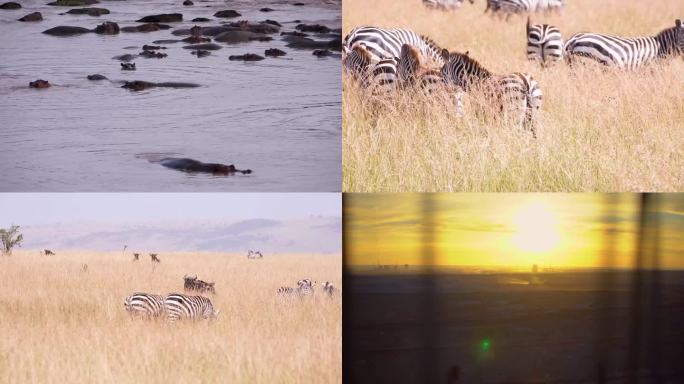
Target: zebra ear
[
  {"x": 678, "y": 23},
  {"x": 445, "y": 54}
]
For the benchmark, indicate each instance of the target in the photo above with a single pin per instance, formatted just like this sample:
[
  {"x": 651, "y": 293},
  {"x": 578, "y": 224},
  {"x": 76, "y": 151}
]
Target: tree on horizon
[{"x": 10, "y": 238}]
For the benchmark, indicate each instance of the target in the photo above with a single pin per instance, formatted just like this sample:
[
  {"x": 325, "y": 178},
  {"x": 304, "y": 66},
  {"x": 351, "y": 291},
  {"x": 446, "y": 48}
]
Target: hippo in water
[
  {"x": 274, "y": 52},
  {"x": 35, "y": 16},
  {"x": 10, "y": 5},
  {"x": 162, "y": 18},
  {"x": 128, "y": 66},
  {"x": 97, "y": 77},
  {"x": 246, "y": 57},
  {"x": 191, "y": 165},
  {"x": 39, "y": 84},
  {"x": 139, "y": 85}
]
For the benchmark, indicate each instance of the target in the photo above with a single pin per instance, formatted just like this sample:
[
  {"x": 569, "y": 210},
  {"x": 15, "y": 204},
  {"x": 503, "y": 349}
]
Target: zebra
[
  {"x": 286, "y": 291},
  {"x": 386, "y": 43},
  {"x": 378, "y": 76},
  {"x": 627, "y": 52},
  {"x": 180, "y": 306},
  {"x": 145, "y": 305},
  {"x": 444, "y": 5},
  {"x": 329, "y": 288},
  {"x": 254, "y": 254},
  {"x": 412, "y": 71},
  {"x": 544, "y": 43},
  {"x": 48, "y": 252},
  {"x": 517, "y": 88},
  {"x": 154, "y": 258},
  {"x": 518, "y": 6},
  {"x": 305, "y": 287}
]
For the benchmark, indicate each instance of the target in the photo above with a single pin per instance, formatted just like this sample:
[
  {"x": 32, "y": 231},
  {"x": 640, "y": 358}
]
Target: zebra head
[
  {"x": 209, "y": 311},
  {"x": 461, "y": 70},
  {"x": 357, "y": 61}
]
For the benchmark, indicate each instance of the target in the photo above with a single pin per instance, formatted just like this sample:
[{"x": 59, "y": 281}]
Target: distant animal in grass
[
  {"x": 48, "y": 252},
  {"x": 154, "y": 258}
]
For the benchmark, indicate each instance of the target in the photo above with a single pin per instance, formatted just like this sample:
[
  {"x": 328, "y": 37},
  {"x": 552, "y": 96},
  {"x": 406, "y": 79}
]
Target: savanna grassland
[
  {"x": 599, "y": 129},
  {"x": 60, "y": 323}
]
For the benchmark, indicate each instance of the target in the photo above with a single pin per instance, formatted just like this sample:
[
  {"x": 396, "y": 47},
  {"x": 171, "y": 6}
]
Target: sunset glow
[{"x": 550, "y": 230}]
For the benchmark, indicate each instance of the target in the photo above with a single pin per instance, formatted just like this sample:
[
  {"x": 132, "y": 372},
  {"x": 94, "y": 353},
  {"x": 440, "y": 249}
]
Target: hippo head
[
  {"x": 196, "y": 31},
  {"x": 39, "y": 84}
]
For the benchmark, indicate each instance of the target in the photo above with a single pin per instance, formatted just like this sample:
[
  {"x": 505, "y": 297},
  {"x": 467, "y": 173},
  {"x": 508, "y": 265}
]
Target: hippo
[
  {"x": 315, "y": 28},
  {"x": 166, "y": 41},
  {"x": 188, "y": 3},
  {"x": 162, "y": 18},
  {"x": 152, "y": 55},
  {"x": 244, "y": 25},
  {"x": 307, "y": 43},
  {"x": 191, "y": 166},
  {"x": 205, "y": 47},
  {"x": 200, "y": 20},
  {"x": 66, "y": 30},
  {"x": 196, "y": 40},
  {"x": 235, "y": 37},
  {"x": 73, "y": 3},
  {"x": 40, "y": 83},
  {"x": 152, "y": 47},
  {"x": 325, "y": 53},
  {"x": 201, "y": 53},
  {"x": 272, "y": 22},
  {"x": 246, "y": 57},
  {"x": 97, "y": 77},
  {"x": 107, "y": 28},
  {"x": 89, "y": 11},
  {"x": 274, "y": 52},
  {"x": 10, "y": 5},
  {"x": 127, "y": 57},
  {"x": 294, "y": 33},
  {"x": 266, "y": 9},
  {"x": 139, "y": 85},
  {"x": 228, "y": 13},
  {"x": 128, "y": 66},
  {"x": 35, "y": 16},
  {"x": 149, "y": 27}
]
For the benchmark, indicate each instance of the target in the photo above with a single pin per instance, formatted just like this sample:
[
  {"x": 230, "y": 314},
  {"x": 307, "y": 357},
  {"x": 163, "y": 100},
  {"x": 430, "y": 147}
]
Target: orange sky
[{"x": 557, "y": 230}]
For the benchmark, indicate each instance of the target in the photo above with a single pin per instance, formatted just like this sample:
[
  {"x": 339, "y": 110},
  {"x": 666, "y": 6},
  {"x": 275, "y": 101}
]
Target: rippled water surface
[{"x": 279, "y": 117}]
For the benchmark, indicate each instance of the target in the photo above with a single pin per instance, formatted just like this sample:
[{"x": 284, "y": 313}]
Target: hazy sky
[
  {"x": 562, "y": 230},
  {"x": 230, "y": 222}
]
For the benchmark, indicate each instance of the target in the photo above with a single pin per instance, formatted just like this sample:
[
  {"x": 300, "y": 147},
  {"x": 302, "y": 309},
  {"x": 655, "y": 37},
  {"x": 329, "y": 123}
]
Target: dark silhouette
[{"x": 154, "y": 258}]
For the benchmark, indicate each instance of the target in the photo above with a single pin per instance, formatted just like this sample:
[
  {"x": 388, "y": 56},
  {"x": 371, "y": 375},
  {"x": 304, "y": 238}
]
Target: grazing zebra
[
  {"x": 48, "y": 252},
  {"x": 195, "y": 284},
  {"x": 627, "y": 52},
  {"x": 518, "y": 89},
  {"x": 179, "y": 306},
  {"x": 305, "y": 287},
  {"x": 145, "y": 305},
  {"x": 154, "y": 258},
  {"x": 544, "y": 43},
  {"x": 329, "y": 288},
  {"x": 444, "y": 5},
  {"x": 380, "y": 77},
  {"x": 286, "y": 291},
  {"x": 413, "y": 71},
  {"x": 136, "y": 256},
  {"x": 386, "y": 43},
  {"x": 519, "y": 6}
]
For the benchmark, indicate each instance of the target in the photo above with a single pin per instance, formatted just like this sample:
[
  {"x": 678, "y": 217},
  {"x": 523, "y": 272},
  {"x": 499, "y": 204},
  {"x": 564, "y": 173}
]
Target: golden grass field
[
  {"x": 59, "y": 324},
  {"x": 600, "y": 129}
]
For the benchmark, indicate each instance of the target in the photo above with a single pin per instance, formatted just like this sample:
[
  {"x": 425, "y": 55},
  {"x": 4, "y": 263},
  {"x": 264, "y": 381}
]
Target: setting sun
[{"x": 535, "y": 228}]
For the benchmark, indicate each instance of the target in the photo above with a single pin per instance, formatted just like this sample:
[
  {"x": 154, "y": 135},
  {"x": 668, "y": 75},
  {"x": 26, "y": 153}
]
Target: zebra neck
[{"x": 666, "y": 42}]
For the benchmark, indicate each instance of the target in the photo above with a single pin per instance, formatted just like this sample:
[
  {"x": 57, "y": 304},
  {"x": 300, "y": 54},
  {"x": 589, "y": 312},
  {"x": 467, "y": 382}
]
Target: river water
[{"x": 279, "y": 117}]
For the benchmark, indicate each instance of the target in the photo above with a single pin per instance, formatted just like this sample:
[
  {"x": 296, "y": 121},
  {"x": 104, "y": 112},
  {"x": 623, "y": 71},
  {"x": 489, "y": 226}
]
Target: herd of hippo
[{"x": 200, "y": 40}]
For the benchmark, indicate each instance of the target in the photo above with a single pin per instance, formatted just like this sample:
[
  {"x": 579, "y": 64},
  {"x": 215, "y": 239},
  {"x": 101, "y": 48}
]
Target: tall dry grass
[
  {"x": 59, "y": 324},
  {"x": 600, "y": 129}
]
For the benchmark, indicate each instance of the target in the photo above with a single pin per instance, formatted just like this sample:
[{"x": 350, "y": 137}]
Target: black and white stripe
[
  {"x": 379, "y": 77},
  {"x": 412, "y": 71},
  {"x": 519, "y": 6},
  {"x": 286, "y": 291},
  {"x": 544, "y": 43},
  {"x": 329, "y": 288},
  {"x": 385, "y": 43},
  {"x": 627, "y": 52},
  {"x": 179, "y": 306},
  {"x": 518, "y": 90},
  {"x": 305, "y": 287},
  {"x": 145, "y": 305},
  {"x": 444, "y": 5}
]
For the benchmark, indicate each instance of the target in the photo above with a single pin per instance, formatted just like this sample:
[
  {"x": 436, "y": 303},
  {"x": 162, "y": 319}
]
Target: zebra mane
[
  {"x": 668, "y": 38},
  {"x": 431, "y": 44},
  {"x": 473, "y": 65}
]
